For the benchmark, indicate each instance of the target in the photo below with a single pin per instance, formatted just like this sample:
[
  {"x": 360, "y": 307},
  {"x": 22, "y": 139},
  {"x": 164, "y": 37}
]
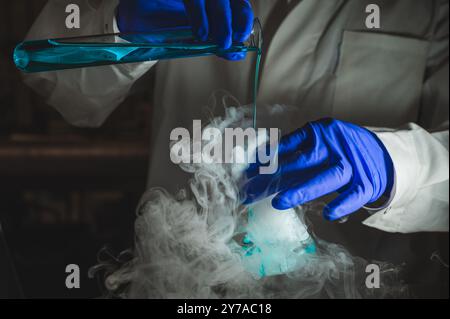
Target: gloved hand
[
  {"x": 222, "y": 21},
  {"x": 321, "y": 158}
]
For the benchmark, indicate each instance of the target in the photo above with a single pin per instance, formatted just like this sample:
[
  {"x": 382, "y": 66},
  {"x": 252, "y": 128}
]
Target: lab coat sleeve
[
  {"x": 420, "y": 199},
  {"x": 420, "y": 196},
  {"x": 420, "y": 152},
  {"x": 84, "y": 97}
]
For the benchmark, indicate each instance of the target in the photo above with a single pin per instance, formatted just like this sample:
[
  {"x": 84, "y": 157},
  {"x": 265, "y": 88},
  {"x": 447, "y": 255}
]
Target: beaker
[{"x": 275, "y": 242}]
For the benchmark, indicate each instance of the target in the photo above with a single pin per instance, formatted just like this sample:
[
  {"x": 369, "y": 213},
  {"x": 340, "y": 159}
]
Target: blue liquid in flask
[{"x": 69, "y": 53}]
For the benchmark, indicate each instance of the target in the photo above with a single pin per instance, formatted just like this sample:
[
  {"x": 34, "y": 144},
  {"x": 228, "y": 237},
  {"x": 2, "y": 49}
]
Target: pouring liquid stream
[{"x": 255, "y": 85}]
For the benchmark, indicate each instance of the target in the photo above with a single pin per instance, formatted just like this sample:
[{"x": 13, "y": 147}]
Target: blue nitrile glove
[
  {"x": 321, "y": 158},
  {"x": 222, "y": 21}
]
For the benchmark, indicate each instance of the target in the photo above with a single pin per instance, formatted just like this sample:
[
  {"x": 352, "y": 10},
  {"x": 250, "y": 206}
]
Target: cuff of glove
[{"x": 384, "y": 202}]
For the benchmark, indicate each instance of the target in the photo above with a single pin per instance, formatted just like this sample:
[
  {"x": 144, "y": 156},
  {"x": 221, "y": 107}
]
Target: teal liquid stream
[{"x": 256, "y": 85}]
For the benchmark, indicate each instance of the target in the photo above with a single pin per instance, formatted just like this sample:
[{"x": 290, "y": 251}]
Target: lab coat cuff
[
  {"x": 385, "y": 202},
  {"x": 400, "y": 146}
]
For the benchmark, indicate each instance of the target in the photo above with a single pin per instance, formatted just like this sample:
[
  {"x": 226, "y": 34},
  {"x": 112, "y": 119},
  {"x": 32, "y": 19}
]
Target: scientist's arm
[
  {"x": 420, "y": 197},
  {"x": 401, "y": 176},
  {"x": 84, "y": 97}
]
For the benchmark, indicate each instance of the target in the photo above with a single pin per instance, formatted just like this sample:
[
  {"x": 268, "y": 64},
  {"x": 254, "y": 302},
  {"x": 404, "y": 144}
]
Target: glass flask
[{"x": 275, "y": 242}]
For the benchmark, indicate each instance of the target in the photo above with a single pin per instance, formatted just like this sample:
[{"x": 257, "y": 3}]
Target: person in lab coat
[{"x": 319, "y": 57}]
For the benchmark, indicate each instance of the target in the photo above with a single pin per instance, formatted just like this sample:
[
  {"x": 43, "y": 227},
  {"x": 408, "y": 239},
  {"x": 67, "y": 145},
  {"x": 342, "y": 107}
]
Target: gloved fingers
[
  {"x": 325, "y": 182},
  {"x": 242, "y": 20},
  {"x": 267, "y": 150},
  {"x": 220, "y": 22},
  {"x": 288, "y": 165},
  {"x": 296, "y": 141},
  {"x": 289, "y": 152},
  {"x": 198, "y": 17},
  {"x": 252, "y": 170},
  {"x": 348, "y": 202},
  {"x": 302, "y": 161},
  {"x": 262, "y": 186},
  {"x": 291, "y": 170},
  {"x": 242, "y": 25}
]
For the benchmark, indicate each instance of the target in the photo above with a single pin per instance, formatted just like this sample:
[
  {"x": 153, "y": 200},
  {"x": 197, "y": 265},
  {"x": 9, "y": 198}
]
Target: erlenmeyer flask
[
  {"x": 275, "y": 242},
  {"x": 97, "y": 50}
]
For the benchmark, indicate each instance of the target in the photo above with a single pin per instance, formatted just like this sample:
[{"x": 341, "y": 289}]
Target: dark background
[{"x": 65, "y": 192}]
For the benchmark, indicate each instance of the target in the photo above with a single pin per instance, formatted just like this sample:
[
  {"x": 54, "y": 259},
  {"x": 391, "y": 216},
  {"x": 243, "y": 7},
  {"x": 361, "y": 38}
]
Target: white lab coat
[{"x": 320, "y": 60}]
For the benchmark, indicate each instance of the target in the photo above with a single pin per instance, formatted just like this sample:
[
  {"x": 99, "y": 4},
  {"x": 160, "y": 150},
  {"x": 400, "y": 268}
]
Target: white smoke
[{"x": 185, "y": 246}]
